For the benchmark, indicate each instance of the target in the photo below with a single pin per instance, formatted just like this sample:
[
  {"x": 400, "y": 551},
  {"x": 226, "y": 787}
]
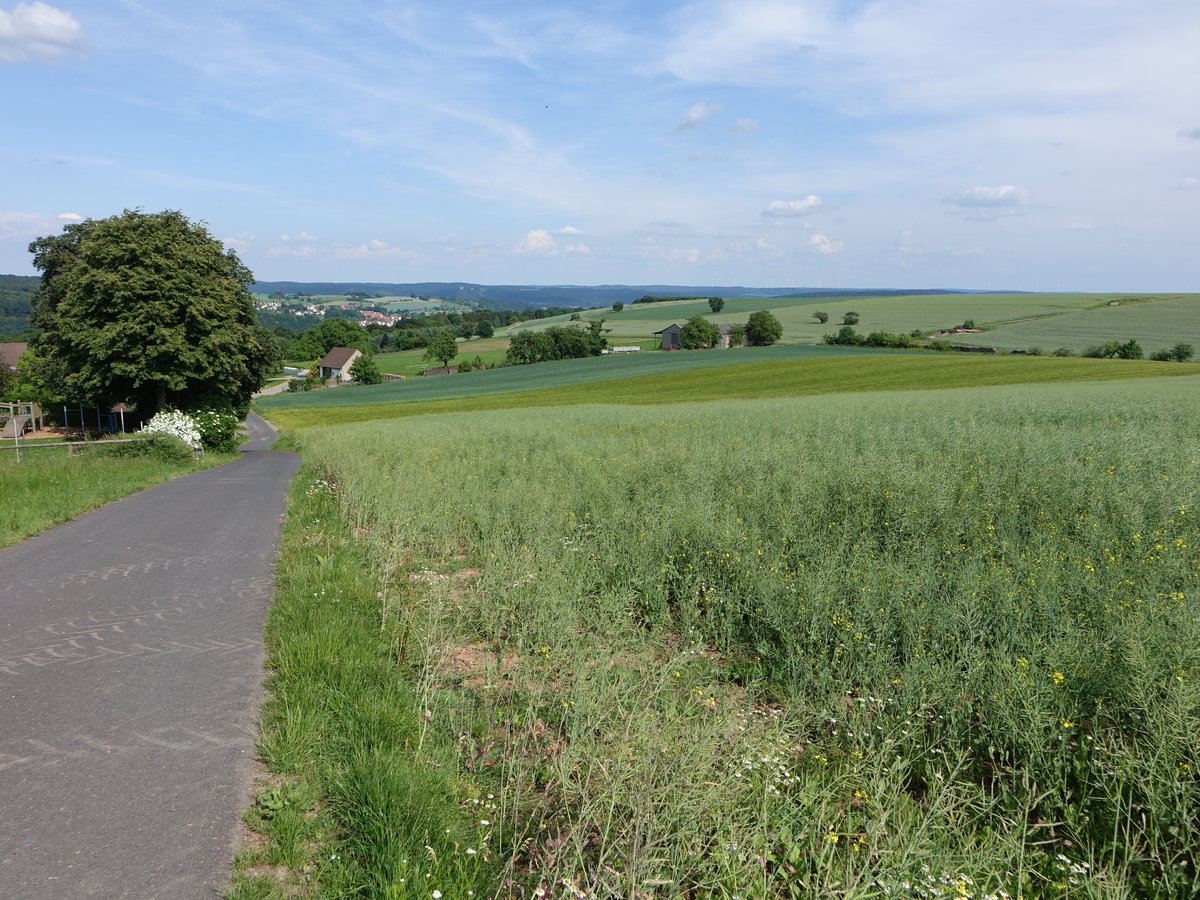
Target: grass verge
[
  {"x": 48, "y": 487},
  {"x": 361, "y": 799}
]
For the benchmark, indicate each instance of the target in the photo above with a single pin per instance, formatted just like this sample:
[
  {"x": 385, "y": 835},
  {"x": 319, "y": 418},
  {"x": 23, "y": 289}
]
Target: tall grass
[{"x": 924, "y": 644}]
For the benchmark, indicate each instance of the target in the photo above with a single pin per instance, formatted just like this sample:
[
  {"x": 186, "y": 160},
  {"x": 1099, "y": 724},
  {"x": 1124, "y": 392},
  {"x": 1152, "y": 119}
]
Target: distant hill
[
  {"x": 15, "y": 293},
  {"x": 583, "y": 296}
]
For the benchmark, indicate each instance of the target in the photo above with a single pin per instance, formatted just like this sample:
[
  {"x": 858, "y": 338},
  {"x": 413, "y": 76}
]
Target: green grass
[
  {"x": 1039, "y": 319},
  {"x": 48, "y": 487},
  {"x": 1154, "y": 325},
  {"x": 413, "y": 362},
  {"x": 547, "y": 375},
  {"x": 768, "y": 648},
  {"x": 815, "y": 374},
  {"x": 362, "y": 800}
]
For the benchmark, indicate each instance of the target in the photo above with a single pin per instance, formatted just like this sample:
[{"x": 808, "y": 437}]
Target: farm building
[
  {"x": 725, "y": 328},
  {"x": 670, "y": 337},
  {"x": 338, "y": 362},
  {"x": 10, "y": 352}
]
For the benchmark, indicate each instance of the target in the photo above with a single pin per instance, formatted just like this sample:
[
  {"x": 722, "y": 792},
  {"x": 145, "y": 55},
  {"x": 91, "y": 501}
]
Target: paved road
[{"x": 130, "y": 668}]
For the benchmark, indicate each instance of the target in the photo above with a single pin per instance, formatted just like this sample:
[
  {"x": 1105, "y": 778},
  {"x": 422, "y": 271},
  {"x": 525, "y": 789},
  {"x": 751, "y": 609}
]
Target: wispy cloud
[
  {"x": 15, "y": 224},
  {"x": 696, "y": 115},
  {"x": 40, "y": 32},
  {"x": 822, "y": 244},
  {"x": 1192, "y": 133},
  {"x": 540, "y": 242},
  {"x": 789, "y": 208},
  {"x": 987, "y": 202}
]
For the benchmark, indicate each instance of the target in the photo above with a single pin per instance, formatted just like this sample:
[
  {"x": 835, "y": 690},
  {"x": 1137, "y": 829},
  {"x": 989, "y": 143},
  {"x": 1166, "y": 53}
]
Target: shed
[
  {"x": 338, "y": 362},
  {"x": 10, "y": 352},
  {"x": 670, "y": 337}
]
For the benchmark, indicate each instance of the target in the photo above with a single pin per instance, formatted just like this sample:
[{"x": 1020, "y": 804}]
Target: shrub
[
  {"x": 618, "y": 306},
  {"x": 716, "y": 304},
  {"x": 176, "y": 424},
  {"x": 821, "y": 317},
  {"x": 940, "y": 346},
  {"x": 160, "y": 446},
  {"x": 763, "y": 329},
  {"x": 1036, "y": 351},
  {"x": 1064, "y": 351},
  {"x": 1131, "y": 349},
  {"x": 850, "y": 318},
  {"x": 698, "y": 332},
  {"x": 217, "y": 427},
  {"x": 365, "y": 371}
]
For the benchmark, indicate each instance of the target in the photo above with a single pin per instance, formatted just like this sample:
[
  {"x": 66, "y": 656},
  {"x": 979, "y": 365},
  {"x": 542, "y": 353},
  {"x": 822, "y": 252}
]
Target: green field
[
  {"x": 921, "y": 643},
  {"x": 796, "y": 371},
  {"x": 1021, "y": 320},
  {"x": 413, "y": 362},
  {"x": 543, "y": 375}
]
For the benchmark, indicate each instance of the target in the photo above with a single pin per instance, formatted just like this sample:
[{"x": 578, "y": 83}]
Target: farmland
[
  {"x": 748, "y": 631},
  {"x": 694, "y": 377},
  {"x": 1015, "y": 321}
]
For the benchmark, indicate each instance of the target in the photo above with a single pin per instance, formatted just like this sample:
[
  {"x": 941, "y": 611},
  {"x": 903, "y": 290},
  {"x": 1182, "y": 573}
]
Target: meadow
[
  {"x": 916, "y": 643},
  {"x": 697, "y": 377},
  {"x": 1015, "y": 321}
]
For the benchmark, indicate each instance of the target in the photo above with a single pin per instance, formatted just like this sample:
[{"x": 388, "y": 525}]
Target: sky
[{"x": 1048, "y": 145}]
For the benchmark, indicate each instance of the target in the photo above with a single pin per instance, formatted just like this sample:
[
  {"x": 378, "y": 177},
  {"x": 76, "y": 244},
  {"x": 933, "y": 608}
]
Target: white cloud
[
  {"x": 538, "y": 242},
  {"x": 696, "y": 115},
  {"x": 373, "y": 248},
  {"x": 15, "y": 224},
  {"x": 1000, "y": 196},
  {"x": 240, "y": 242},
  {"x": 787, "y": 208},
  {"x": 568, "y": 229},
  {"x": 302, "y": 237},
  {"x": 822, "y": 244},
  {"x": 1079, "y": 226},
  {"x": 1189, "y": 184},
  {"x": 576, "y": 249},
  {"x": 745, "y": 126},
  {"x": 39, "y": 31},
  {"x": 300, "y": 250},
  {"x": 74, "y": 217}
]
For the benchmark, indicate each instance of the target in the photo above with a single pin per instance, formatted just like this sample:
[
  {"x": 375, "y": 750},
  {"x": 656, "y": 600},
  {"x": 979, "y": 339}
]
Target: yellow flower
[{"x": 1057, "y": 677}]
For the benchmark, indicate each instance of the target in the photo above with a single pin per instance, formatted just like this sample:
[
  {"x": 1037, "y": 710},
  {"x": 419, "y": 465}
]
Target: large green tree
[
  {"x": 763, "y": 329},
  {"x": 442, "y": 348},
  {"x": 698, "y": 332},
  {"x": 149, "y": 308}
]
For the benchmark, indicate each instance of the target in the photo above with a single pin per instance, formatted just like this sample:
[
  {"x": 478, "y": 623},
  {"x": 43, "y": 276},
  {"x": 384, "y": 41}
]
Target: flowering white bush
[{"x": 176, "y": 424}]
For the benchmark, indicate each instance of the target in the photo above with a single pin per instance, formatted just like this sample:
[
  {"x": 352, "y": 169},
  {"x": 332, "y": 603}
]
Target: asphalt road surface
[{"x": 130, "y": 675}]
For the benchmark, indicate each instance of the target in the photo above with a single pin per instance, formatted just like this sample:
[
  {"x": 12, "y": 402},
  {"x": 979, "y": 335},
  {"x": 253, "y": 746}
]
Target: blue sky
[{"x": 1026, "y": 144}]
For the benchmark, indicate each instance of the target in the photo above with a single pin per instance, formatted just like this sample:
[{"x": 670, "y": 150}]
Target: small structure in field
[
  {"x": 10, "y": 352},
  {"x": 725, "y": 328},
  {"x": 337, "y": 363},
  {"x": 669, "y": 337}
]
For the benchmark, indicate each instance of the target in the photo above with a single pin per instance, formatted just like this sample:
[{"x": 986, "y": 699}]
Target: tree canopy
[
  {"x": 763, "y": 329},
  {"x": 330, "y": 332},
  {"x": 698, "y": 332},
  {"x": 442, "y": 347},
  {"x": 148, "y": 308}
]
